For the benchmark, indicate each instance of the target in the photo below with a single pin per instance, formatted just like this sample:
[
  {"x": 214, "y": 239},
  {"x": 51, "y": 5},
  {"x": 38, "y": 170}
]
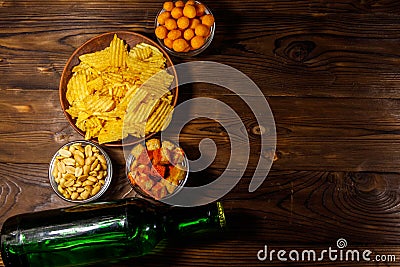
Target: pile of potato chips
[{"x": 114, "y": 92}]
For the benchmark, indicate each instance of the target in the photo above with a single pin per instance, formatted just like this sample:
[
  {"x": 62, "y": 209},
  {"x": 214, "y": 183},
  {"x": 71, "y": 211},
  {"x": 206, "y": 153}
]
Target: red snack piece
[
  {"x": 176, "y": 174},
  {"x": 143, "y": 158},
  {"x": 165, "y": 156},
  {"x": 143, "y": 169},
  {"x": 159, "y": 191},
  {"x": 178, "y": 156},
  {"x": 150, "y": 154},
  {"x": 156, "y": 156},
  {"x": 145, "y": 182},
  {"x": 170, "y": 170},
  {"x": 160, "y": 170}
]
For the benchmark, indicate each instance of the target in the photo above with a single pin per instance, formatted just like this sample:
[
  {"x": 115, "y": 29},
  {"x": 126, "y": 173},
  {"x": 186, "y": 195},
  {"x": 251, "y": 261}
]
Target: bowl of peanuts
[
  {"x": 184, "y": 29},
  {"x": 80, "y": 171}
]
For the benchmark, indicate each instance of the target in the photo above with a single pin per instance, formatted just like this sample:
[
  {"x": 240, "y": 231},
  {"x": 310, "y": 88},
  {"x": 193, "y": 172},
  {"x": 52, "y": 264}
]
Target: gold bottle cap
[{"x": 221, "y": 215}]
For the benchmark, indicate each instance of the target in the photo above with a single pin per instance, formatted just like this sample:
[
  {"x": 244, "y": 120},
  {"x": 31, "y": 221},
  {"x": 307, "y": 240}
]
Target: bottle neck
[{"x": 182, "y": 221}]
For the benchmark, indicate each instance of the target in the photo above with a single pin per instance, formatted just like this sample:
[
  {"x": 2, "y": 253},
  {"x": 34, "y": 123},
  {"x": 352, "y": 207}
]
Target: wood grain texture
[{"x": 330, "y": 72}]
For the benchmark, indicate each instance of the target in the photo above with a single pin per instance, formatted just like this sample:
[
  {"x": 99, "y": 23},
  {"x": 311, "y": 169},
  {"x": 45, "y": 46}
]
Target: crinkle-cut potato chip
[
  {"x": 98, "y": 60},
  {"x": 114, "y": 92},
  {"x": 119, "y": 52},
  {"x": 141, "y": 52},
  {"x": 77, "y": 87},
  {"x": 158, "y": 119}
]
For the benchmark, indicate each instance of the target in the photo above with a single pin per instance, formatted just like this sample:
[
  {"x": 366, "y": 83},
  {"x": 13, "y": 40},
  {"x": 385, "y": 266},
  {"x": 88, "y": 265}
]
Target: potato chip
[
  {"x": 158, "y": 118},
  {"x": 77, "y": 87},
  {"x": 112, "y": 131},
  {"x": 158, "y": 84},
  {"x": 118, "y": 51},
  {"x": 113, "y": 92},
  {"x": 93, "y": 85},
  {"x": 99, "y": 103},
  {"x": 98, "y": 60}
]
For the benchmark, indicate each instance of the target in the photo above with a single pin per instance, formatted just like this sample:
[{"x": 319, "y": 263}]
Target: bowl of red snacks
[{"x": 157, "y": 169}]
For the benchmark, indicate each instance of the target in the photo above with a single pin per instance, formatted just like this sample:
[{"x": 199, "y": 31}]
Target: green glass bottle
[{"x": 99, "y": 232}]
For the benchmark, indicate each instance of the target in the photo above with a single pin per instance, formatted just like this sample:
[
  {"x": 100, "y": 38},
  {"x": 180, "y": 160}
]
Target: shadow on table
[{"x": 181, "y": 250}]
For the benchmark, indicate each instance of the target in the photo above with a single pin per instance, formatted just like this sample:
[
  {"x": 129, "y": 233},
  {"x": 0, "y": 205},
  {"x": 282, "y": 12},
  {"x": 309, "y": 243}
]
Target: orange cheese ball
[
  {"x": 202, "y": 30},
  {"x": 190, "y": 2},
  {"x": 170, "y": 24},
  {"x": 168, "y": 6},
  {"x": 208, "y": 20},
  {"x": 179, "y": 4},
  {"x": 200, "y": 10},
  {"x": 168, "y": 43},
  {"x": 189, "y": 11},
  {"x": 197, "y": 42},
  {"x": 183, "y": 23},
  {"x": 162, "y": 17},
  {"x": 188, "y": 34},
  {"x": 174, "y": 34},
  {"x": 193, "y": 23},
  {"x": 161, "y": 32},
  {"x": 176, "y": 12},
  {"x": 180, "y": 45}
]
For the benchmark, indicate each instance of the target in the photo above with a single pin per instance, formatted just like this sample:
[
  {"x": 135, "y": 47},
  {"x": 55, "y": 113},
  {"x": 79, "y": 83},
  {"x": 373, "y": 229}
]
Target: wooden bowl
[{"x": 99, "y": 43}]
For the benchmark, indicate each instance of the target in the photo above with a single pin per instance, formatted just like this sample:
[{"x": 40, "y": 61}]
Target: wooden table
[{"x": 330, "y": 72}]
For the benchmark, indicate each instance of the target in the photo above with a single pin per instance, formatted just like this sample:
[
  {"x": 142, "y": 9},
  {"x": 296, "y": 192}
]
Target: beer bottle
[{"x": 99, "y": 232}]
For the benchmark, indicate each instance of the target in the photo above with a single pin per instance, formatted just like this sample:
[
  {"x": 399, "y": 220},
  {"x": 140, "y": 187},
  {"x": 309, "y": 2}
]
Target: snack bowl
[
  {"x": 96, "y": 44},
  {"x": 157, "y": 169},
  {"x": 192, "y": 52},
  {"x": 80, "y": 171}
]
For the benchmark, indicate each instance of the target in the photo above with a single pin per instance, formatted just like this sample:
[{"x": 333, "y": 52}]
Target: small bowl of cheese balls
[{"x": 184, "y": 29}]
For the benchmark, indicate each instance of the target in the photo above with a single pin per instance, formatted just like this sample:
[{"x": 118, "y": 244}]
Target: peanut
[
  {"x": 94, "y": 165},
  {"x": 93, "y": 179},
  {"x": 95, "y": 190},
  {"x": 69, "y": 162},
  {"x": 79, "y": 159},
  {"x": 70, "y": 169},
  {"x": 64, "y": 152},
  {"x": 78, "y": 153},
  {"x": 88, "y": 151},
  {"x": 85, "y": 194},
  {"x": 78, "y": 171},
  {"x": 74, "y": 195},
  {"x": 80, "y": 189}
]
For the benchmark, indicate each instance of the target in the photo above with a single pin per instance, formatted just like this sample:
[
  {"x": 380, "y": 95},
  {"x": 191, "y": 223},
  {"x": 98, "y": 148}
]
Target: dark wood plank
[
  {"x": 33, "y": 126},
  {"x": 278, "y": 6}
]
